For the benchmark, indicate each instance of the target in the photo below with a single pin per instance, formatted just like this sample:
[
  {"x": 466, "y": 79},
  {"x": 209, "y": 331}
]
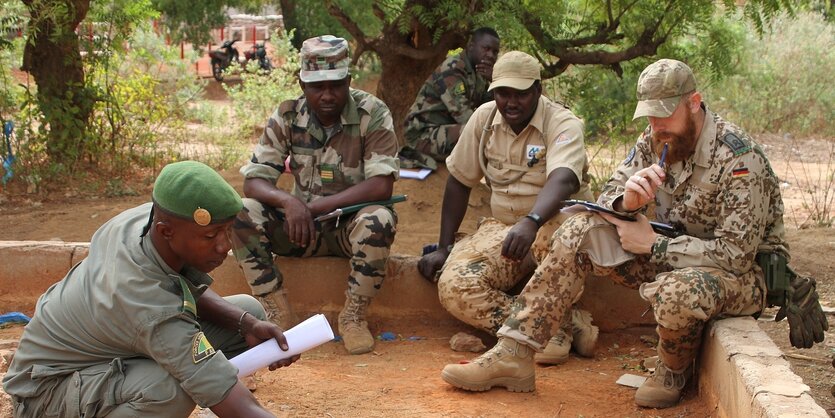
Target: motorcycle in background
[
  {"x": 223, "y": 57},
  {"x": 258, "y": 52}
]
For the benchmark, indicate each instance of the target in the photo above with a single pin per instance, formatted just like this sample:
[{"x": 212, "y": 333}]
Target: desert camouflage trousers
[
  {"x": 683, "y": 300},
  {"x": 476, "y": 280},
  {"x": 364, "y": 237}
]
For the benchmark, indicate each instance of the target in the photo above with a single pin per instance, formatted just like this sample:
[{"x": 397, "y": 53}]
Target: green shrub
[
  {"x": 259, "y": 94},
  {"x": 785, "y": 84}
]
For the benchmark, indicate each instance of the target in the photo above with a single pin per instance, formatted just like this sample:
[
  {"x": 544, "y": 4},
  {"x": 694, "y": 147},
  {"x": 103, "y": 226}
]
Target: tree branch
[{"x": 349, "y": 25}]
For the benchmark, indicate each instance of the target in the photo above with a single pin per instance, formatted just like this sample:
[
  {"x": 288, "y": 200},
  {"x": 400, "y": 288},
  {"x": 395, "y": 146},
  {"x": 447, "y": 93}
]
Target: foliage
[
  {"x": 259, "y": 93},
  {"x": 193, "y": 20},
  {"x": 786, "y": 81},
  {"x": 818, "y": 197}
]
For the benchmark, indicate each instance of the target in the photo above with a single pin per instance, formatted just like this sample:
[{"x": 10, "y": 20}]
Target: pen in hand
[{"x": 663, "y": 155}]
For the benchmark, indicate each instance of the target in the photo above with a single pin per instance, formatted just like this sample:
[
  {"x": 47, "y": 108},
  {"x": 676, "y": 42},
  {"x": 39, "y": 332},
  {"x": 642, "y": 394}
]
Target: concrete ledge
[
  {"x": 744, "y": 373},
  {"x": 28, "y": 268}
]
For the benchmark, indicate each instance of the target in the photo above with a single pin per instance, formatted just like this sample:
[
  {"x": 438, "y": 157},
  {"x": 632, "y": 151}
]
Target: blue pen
[{"x": 663, "y": 155}]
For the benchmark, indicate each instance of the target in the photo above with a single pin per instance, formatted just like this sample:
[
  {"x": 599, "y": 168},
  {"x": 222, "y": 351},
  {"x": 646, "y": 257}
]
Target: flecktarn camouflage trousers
[
  {"x": 683, "y": 300},
  {"x": 476, "y": 280},
  {"x": 364, "y": 237}
]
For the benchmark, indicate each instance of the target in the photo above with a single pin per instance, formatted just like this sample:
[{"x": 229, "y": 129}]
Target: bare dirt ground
[{"x": 402, "y": 378}]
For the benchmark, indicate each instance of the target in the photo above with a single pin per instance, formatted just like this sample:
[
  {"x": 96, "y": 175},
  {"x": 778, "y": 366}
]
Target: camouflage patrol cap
[
  {"x": 516, "y": 70},
  {"x": 324, "y": 58},
  {"x": 661, "y": 86},
  {"x": 193, "y": 190}
]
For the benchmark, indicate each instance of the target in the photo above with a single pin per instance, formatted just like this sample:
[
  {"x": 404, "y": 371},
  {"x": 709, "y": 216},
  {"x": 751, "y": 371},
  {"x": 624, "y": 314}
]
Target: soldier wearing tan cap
[
  {"x": 342, "y": 151},
  {"x": 715, "y": 187},
  {"x": 531, "y": 152},
  {"x": 134, "y": 330}
]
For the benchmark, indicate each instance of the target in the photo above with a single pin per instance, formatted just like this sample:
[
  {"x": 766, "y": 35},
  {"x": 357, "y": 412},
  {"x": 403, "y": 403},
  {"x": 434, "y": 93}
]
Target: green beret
[{"x": 193, "y": 190}]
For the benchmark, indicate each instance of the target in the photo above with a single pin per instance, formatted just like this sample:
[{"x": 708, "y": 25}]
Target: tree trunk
[
  {"x": 52, "y": 57},
  {"x": 289, "y": 17},
  {"x": 400, "y": 82}
]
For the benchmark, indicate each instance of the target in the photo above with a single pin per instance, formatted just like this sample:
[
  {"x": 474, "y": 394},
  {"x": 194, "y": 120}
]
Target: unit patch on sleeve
[{"x": 201, "y": 349}]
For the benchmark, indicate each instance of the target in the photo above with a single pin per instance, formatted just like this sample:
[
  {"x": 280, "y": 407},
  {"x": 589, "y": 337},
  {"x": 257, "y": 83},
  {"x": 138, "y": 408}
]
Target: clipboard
[{"x": 661, "y": 228}]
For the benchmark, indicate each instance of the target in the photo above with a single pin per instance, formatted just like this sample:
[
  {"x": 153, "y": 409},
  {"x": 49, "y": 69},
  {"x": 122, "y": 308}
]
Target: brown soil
[{"x": 403, "y": 377}]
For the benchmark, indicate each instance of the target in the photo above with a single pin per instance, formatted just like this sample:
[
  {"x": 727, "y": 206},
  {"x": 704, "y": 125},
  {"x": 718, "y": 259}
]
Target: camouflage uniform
[
  {"x": 476, "y": 278},
  {"x": 447, "y": 99},
  {"x": 152, "y": 356},
  {"x": 725, "y": 198},
  {"x": 362, "y": 146}
]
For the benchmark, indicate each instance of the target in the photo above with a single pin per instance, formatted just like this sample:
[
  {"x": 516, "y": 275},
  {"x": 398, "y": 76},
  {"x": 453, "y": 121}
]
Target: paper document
[
  {"x": 311, "y": 333},
  {"x": 418, "y": 174}
]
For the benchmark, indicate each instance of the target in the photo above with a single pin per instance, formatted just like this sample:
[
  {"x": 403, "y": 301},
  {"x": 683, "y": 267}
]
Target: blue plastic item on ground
[
  {"x": 387, "y": 336},
  {"x": 13, "y": 318}
]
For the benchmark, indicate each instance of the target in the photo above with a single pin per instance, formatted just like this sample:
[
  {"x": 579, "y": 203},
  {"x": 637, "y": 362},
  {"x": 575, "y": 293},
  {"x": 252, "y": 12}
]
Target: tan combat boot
[
  {"x": 352, "y": 324},
  {"x": 508, "y": 364},
  {"x": 556, "y": 351},
  {"x": 584, "y": 333},
  {"x": 663, "y": 388},
  {"x": 278, "y": 309}
]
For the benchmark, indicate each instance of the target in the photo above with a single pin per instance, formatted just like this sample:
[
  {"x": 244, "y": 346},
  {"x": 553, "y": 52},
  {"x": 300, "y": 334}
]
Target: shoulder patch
[
  {"x": 201, "y": 348},
  {"x": 738, "y": 145},
  {"x": 630, "y": 157},
  {"x": 189, "y": 304}
]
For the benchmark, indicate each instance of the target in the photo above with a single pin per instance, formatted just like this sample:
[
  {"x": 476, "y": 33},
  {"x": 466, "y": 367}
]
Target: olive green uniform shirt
[{"x": 122, "y": 301}]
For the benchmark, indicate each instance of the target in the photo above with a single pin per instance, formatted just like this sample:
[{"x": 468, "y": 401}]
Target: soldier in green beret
[
  {"x": 340, "y": 147},
  {"x": 134, "y": 330}
]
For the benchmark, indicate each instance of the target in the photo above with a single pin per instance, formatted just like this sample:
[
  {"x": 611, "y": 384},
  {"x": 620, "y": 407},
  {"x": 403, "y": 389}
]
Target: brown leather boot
[
  {"x": 509, "y": 364},
  {"x": 663, "y": 388},
  {"x": 278, "y": 309},
  {"x": 352, "y": 324}
]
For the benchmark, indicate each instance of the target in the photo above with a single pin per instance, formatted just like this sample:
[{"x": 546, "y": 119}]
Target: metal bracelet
[{"x": 241, "y": 323}]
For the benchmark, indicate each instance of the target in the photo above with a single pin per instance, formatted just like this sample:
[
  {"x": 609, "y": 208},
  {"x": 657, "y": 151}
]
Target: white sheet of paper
[
  {"x": 415, "y": 174},
  {"x": 311, "y": 333}
]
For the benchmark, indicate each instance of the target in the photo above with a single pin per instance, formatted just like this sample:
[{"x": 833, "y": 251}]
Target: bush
[
  {"x": 786, "y": 80},
  {"x": 259, "y": 93}
]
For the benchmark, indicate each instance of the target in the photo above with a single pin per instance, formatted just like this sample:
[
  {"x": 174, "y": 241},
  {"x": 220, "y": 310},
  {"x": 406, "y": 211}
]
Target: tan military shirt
[
  {"x": 361, "y": 146},
  {"x": 552, "y": 139},
  {"x": 122, "y": 301},
  {"x": 725, "y": 197}
]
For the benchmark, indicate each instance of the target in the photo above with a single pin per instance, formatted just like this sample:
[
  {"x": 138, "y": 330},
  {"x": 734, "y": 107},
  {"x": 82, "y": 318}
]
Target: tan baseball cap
[
  {"x": 661, "y": 86},
  {"x": 324, "y": 58},
  {"x": 516, "y": 70}
]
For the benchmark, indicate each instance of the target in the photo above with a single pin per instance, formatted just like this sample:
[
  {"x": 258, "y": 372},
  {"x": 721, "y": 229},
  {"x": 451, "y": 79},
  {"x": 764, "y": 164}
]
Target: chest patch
[
  {"x": 327, "y": 171},
  {"x": 201, "y": 348},
  {"x": 534, "y": 153}
]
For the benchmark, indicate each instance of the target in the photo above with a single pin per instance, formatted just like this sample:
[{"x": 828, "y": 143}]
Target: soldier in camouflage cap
[
  {"x": 136, "y": 318},
  {"x": 339, "y": 145},
  {"x": 715, "y": 186},
  {"x": 448, "y": 98}
]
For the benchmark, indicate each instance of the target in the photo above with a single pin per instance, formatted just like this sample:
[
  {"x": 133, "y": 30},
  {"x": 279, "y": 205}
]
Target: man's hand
[
  {"x": 256, "y": 331},
  {"x": 485, "y": 69},
  {"x": 636, "y": 237},
  {"x": 807, "y": 322},
  {"x": 517, "y": 243},
  {"x": 298, "y": 223},
  {"x": 641, "y": 187},
  {"x": 431, "y": 263}
]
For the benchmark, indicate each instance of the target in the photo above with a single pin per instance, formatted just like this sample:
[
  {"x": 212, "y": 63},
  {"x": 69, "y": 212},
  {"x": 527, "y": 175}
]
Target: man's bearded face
[{"x": 682, "y": 141}]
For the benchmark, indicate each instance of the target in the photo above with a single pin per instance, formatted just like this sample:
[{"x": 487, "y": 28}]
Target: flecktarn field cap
[
  {"x": 324, "y": 58},
  {"x": 193, "y": 190},
  {"x": 661, "y": 86},
  {"x": 515, "y": 69}
]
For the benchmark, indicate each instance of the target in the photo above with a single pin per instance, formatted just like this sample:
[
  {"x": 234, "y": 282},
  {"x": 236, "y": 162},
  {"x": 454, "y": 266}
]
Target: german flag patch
[
  {"x": 739, "y": 172},
  {"x": 201, "y": 348}
]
